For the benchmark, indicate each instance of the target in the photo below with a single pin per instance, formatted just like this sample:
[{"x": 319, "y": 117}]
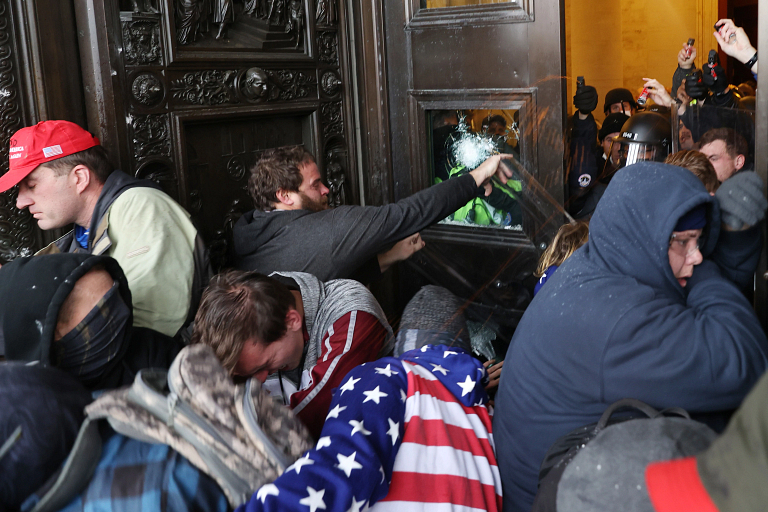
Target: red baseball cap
[{"x": 46, "y": 141}]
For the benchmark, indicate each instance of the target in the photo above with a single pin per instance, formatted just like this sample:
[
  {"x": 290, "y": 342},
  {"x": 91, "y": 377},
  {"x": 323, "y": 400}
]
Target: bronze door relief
[{"x": 190, "y": 92}]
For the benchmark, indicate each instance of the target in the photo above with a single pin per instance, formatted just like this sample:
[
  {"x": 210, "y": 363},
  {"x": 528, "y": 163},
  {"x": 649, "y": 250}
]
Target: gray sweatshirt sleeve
[{"x": 361, "y": 232}]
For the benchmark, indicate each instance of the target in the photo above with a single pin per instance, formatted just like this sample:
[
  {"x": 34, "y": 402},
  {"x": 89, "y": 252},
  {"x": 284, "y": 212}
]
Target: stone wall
[{"x": 618, "y": 43}]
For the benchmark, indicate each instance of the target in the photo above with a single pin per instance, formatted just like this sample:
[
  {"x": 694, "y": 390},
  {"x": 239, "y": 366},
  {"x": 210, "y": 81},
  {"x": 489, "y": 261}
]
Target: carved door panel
[
  {"x": 472, "y": 80},
  {"x": 39, "y": 79},
  {"x": 190, "y": 92}
]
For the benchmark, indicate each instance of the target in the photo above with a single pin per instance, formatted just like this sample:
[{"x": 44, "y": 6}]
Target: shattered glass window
[{"x": 461, "y": 141}]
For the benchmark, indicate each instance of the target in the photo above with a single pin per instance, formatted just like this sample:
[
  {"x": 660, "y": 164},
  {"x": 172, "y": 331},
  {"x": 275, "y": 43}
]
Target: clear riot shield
[{"x": 726, "y": 135}]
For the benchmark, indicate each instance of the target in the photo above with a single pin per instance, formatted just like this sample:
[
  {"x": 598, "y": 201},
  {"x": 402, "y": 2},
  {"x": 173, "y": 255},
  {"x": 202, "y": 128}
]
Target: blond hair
[
  {"x": 698, "y": 164},
  {"x": 568, "y": 238}
]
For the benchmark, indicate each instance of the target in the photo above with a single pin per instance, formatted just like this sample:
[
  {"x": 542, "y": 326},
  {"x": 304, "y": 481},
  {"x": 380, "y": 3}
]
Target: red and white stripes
[{"x": 446, "y": 461}]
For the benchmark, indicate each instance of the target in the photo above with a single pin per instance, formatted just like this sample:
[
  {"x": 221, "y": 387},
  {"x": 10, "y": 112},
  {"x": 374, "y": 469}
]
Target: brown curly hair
[
  {"x": 238, "y": 306},
  {"x": 277, "y": 169},
  {"x": 735, "y": 144}
]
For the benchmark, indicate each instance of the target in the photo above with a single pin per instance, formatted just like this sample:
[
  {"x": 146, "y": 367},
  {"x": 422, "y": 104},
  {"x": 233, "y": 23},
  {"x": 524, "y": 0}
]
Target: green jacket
[
  {"x": 501, "y": 208},
  {"x": 156, "y": 245}
]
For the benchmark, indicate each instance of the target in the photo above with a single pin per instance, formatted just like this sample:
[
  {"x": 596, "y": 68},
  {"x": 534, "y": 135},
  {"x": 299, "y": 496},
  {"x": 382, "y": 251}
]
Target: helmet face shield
[
  {"x": 646, "y": 136},
  {"x": 632, "y": 152}
]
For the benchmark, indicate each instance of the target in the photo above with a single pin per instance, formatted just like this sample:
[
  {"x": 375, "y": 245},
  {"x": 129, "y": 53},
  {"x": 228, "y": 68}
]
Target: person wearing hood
[
  {"x": 73, "y": 311},
  {"x": 65, "y": 177},
  {"x": 637, "y": 312},
  {"x": 292, "y": 228},
  {"x": 742, "y": 206}
]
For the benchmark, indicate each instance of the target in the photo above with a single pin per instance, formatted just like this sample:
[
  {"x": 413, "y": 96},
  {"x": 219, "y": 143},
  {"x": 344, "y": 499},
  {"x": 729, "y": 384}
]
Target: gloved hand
[
  {"x": 741, "y": 200},
  {"x": 716, "y": 85},
  {"x": 694, "y": 88},
  {"x": 585, "y": 99}
]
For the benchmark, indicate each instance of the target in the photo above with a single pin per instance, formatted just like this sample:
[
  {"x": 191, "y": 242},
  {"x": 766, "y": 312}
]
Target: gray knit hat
[{"x": 433, "y": 316}]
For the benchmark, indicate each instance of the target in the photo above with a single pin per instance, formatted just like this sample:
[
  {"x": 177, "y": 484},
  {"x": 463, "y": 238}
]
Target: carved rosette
[
  {"x": 141, "y": 41},
  {"x": 147, "y": 89},
  {"x": 236, "y": 168},
  {"x": 17, "y": 229},
  {"x": 330, "y": 83},
  {"x": 151, "y": 136}
]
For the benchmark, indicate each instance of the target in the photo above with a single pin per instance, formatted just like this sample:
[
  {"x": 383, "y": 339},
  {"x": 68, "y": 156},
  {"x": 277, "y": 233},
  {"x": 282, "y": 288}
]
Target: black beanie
[
  {"x": 618, "y": 96},
  {"x": 694, "y": 219},
  {"x": 612, "y": 124}
]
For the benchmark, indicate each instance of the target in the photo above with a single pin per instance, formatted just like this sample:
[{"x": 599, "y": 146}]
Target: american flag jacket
[{"x": 403, "y": 434}]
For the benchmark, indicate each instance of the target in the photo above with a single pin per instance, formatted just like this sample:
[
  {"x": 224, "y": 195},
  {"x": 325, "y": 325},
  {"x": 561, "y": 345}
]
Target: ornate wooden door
[
  {"x": 39, "y": 79},
  {"x": 189, "y": 93}
]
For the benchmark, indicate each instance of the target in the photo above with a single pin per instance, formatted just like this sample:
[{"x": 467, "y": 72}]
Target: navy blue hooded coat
[{"x": 613, "y": 322}]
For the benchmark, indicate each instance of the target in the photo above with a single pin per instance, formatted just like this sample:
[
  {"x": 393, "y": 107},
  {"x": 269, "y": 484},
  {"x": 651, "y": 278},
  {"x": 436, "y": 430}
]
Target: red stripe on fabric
[
  {"x": 367, "y": 340},
  {"x": 436, "y": 389},
  {"x": 675, "y": 486},
  {"x": 438, "y": 433},
  {"x": 421, "y": 488}
]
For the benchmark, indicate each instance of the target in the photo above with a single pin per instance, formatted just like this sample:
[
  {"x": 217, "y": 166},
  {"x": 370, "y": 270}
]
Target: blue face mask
[{"x": 88, "y": 351}]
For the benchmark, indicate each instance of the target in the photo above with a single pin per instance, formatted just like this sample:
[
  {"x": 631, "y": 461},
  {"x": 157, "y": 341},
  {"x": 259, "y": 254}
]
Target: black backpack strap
[
  {"x": 74, "y": 475},
  {"x": 625, "y": 403},
  {"x": 675, "y": 411}
]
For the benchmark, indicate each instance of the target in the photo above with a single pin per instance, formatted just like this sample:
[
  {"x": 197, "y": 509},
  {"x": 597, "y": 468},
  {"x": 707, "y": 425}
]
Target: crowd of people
[{"x": 129, "y": 369}]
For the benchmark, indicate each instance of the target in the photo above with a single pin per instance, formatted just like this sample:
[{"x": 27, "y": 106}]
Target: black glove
[
  {"x": 694, "y": 88},
  {"x": 585, "y": 99},
  {"x": 717, "y": 85},
  {"x": 741, "y": 200}
]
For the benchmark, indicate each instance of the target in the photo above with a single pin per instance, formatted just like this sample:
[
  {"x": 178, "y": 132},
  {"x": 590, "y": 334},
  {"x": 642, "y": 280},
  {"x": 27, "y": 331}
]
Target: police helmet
[{"x": 645, "y": 136}]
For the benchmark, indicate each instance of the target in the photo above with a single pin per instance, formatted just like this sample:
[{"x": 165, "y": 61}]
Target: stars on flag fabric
[{"x": 402, "y": 434}]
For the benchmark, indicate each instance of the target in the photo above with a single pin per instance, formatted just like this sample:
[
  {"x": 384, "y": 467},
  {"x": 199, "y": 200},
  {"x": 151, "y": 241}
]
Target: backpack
[
  {"x": 235, "y": 433},
  {"x": 566, "y": 448}
]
